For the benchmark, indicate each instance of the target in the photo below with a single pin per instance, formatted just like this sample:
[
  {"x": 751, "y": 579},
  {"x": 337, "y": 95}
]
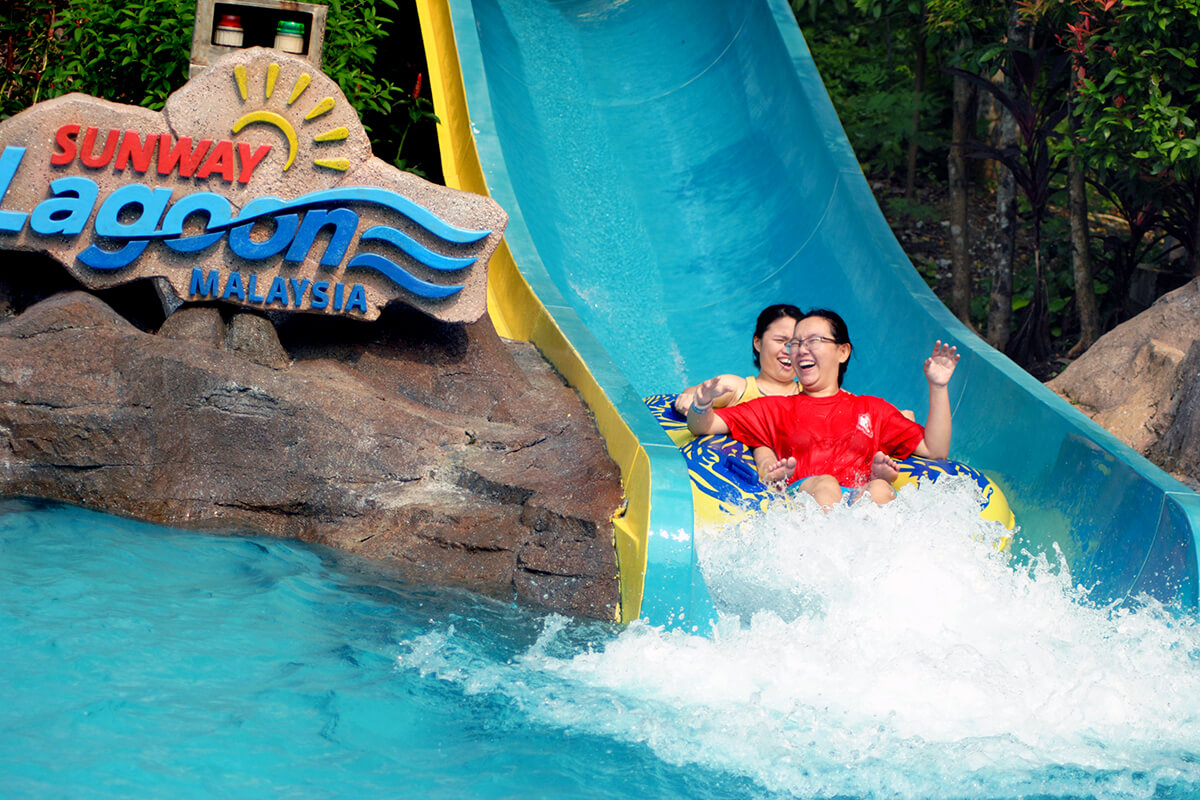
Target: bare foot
[
  {"x": 779, "y": 472},
  {"x": 883, "y": 467}
]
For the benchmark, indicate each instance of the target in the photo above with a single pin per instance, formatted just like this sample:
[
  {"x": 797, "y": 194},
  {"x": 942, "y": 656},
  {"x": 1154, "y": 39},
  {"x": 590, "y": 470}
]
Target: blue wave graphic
[
  {"x": 402, "y": 277},
  {"x": 398, "y": 203},
  {"x": 336, "y": 197},
  {"x": 412, "y": 247},
  {"x": 274, "y": 208}
]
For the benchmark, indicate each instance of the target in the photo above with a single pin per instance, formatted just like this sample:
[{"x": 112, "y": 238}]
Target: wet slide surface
[{"x": 670, "y": 168}]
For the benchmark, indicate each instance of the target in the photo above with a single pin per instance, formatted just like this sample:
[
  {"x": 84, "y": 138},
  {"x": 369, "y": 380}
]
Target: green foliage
[
  {"x": 417, "y": 114},
  {"x": 1057, "y": 270},
  {"x": 912, "y": 209},
  {"x": 877, "y": 9},
  {"x": 1139, "y": 85},
  {"x": 979, "y": 310},
  {"x": 1137, "y": 68},
  {"x": 1035, "y": 97},
  {"x": 136, "y": 52},
  {"x": 378, "y": 87},
  {"x": 353, "y": 31},
  {"x": 132, "y": 52},
  {"x": 28, "y": 37},
  {"x": 981, "y": 21},
  {"x": 808, "y": 9},
  {"x": 873, "y": 96},
  {"x": 929, "y": 271},
  {"x": 971, "y": 32}
]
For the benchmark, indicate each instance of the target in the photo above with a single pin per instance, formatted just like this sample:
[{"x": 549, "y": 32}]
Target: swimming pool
[{"x": 870, "y": 653}]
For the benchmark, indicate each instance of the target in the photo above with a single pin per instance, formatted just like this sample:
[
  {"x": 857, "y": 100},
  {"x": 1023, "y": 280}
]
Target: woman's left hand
[{"x": 940, "y": 366}]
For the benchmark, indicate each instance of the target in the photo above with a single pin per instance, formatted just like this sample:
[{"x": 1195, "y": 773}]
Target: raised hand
[
  {"x": 940, "y": 366},
  {"x": 710, "y": 390}
]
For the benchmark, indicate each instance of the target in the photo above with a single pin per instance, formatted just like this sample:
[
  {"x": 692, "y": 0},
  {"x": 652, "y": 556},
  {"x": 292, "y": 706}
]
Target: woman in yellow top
[{"x": 775, "y": 374}]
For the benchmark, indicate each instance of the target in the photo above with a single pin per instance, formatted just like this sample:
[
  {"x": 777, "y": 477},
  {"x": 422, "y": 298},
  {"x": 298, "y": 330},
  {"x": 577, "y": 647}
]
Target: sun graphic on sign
[{"x": 281, "y": 122}]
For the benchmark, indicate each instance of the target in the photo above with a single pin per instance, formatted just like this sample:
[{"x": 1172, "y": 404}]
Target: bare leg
[
  {"x": 824, "y": 489},
  {"x": 881, "y": 491}
]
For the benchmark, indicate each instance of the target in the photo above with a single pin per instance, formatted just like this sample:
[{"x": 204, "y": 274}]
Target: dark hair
[
  {"x": 841, "y": 334},
  {"x": 769, "y": 315}
]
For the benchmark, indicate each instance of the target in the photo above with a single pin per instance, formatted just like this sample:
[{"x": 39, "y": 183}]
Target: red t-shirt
[{"x": 837, "y": 435}]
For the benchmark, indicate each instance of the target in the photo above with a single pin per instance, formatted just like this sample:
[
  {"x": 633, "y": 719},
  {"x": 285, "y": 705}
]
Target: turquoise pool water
[{"x": 858, "y": 655}]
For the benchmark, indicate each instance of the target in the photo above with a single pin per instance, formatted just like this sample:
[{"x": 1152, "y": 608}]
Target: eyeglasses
[{"x": 811, "y": 342}]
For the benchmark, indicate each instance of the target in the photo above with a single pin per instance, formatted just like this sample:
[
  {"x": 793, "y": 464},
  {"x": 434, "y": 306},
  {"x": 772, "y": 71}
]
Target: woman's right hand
[
  {"x": 710, "y": 390},
  {"x": 725, "y": 384},
  {"x": 701, "y": 421},
  {"x": 683, "y": 400}
]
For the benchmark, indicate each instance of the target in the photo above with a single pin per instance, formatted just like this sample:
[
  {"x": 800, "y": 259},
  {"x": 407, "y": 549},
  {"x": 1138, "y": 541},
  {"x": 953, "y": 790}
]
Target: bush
[
  {"x": 873, "y": 97},
  {"x": 136, "y": 52},
  {"x": 29, "y": 37}
]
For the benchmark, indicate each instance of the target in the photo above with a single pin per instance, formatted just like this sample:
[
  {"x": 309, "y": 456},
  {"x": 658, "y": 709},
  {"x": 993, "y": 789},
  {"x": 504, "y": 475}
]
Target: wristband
[{"x": 699, "y": 409}]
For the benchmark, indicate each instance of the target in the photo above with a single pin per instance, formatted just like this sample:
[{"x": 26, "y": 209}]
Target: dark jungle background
[{"x": 1039, "y": 160}]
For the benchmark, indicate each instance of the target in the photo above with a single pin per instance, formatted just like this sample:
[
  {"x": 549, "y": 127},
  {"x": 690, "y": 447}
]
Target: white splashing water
[{"x": 881, "y": 652}]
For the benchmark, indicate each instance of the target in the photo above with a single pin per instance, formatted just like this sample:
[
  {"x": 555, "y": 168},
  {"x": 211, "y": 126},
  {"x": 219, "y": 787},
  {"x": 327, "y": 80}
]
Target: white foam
[{"x": 884, "y": 652}]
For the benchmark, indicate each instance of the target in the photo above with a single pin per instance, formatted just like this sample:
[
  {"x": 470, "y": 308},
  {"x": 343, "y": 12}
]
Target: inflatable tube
[{"x": 725, "y": 484}]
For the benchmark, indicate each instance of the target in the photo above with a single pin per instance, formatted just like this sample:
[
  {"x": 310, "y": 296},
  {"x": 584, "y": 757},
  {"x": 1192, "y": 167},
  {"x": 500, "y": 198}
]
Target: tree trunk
[
  {"x": 1179, "y": 203},
  {"x": 910, "y": 175},
  {"x": 1000, "y": 302},
  {"x": 960, "y": 255},
  {"x": 1030, "y": 343},
  {"x": 1179, "y": 448},
  {"x": 999, "y": 325},
  {"x": 1194, "y": 251},
  {"x": 1081, "y": 259}
]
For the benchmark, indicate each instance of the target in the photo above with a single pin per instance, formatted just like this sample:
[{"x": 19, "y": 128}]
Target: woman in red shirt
[{"x": 827, "y": 440}]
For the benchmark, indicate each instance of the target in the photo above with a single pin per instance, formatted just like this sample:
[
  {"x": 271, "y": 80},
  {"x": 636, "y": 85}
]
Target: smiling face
[
  {"x": 817, "y": 365},
  {"x": 774, "y": 362}
]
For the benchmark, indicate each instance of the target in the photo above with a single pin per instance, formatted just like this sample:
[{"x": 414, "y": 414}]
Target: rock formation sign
[
  {"x": 419, "y": 439},
  {"x": 255, "y": 185}
]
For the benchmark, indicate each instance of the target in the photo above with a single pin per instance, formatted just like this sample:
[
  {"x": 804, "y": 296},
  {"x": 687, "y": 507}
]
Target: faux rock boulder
[
  {"x": 436, "y": 448},
  {"x": 1133, "y": 380}
]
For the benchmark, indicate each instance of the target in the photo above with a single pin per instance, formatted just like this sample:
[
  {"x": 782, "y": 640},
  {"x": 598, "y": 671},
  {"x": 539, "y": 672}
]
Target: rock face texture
[
  {"x": 1178, "y": 450},
  {"x": 438, "y": 448},
  {"x": 1141, "y": 381}
]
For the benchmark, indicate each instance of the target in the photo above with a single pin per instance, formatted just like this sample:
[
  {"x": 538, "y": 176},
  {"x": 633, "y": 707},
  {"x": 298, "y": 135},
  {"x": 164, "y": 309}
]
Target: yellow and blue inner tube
[{"x": 725, "y": 484}]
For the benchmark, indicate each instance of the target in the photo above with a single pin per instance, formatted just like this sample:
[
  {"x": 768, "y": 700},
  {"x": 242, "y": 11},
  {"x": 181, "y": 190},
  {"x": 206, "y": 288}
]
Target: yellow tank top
[{"x": 752, "y": 392}]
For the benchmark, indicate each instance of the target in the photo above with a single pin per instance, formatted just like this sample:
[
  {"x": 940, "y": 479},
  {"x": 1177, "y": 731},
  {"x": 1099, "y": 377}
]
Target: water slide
[{"x": 672, "y": 166}]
